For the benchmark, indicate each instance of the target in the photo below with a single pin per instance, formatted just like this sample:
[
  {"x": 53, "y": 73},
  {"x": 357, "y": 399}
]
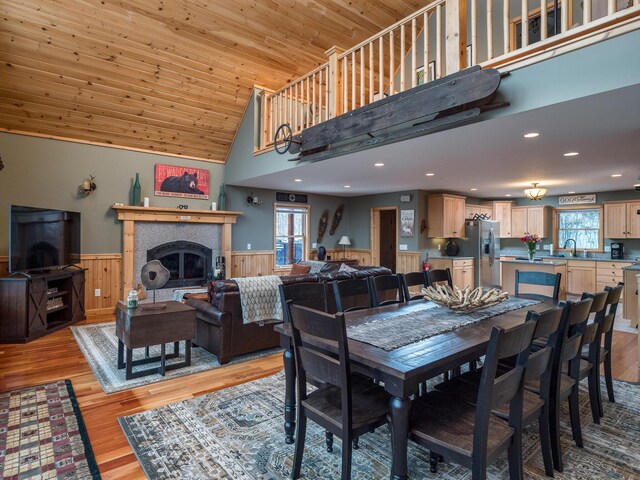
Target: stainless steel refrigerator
[{"x": 483, "y": 244}]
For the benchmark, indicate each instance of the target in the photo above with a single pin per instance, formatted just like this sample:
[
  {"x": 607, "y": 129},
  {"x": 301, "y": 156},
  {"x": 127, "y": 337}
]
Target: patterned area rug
[
  {"x": 237, "y": 434},
  {"x": 99, "y": 345},
  {"x": 42, "y": 435}
]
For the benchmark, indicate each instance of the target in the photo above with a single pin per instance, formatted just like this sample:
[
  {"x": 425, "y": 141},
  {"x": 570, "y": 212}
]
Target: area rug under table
[
  {"x": 42, "y": 435},
  {"x": 99, "y": 345},
  {"x": 237, "y": 433}
]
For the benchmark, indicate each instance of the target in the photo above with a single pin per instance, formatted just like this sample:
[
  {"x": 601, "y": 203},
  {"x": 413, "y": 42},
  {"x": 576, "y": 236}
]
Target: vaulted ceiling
[{"x": 169, "y": 76}]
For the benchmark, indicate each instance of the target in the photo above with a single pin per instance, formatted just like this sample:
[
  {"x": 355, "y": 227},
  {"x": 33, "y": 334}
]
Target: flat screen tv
[{"x": 42, "y": 238}]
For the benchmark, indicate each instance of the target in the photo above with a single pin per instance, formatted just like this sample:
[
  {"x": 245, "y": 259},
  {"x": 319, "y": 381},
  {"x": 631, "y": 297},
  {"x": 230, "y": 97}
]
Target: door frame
[{"x": 374, "y": 237}]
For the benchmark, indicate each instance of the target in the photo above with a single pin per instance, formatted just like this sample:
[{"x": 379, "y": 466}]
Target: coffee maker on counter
[{"x": 617, "y": 251}]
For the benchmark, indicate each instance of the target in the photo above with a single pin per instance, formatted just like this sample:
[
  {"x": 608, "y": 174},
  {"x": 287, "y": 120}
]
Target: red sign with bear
[{"x": 176, "y": 181}]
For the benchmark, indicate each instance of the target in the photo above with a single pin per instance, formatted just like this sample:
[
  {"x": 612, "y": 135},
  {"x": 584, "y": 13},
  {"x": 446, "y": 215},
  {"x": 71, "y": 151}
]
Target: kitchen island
[
  {"x": 630, "y": 307},
  {"x": 509, "y": 268}
]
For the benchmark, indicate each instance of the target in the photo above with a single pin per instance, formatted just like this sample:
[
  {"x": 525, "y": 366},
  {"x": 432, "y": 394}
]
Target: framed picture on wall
[
  {"x": 431, "y": 73},
  {"x": 407, "y": 225},
  {"x": 176, "y": 181}
]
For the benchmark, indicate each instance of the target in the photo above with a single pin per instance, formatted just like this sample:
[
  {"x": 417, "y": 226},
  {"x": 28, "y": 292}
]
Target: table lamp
[{"x": 344, "y": 241}]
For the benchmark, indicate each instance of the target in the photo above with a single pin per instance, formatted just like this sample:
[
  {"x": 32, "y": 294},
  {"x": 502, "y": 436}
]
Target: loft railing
[{"x": 439, "y": 39}]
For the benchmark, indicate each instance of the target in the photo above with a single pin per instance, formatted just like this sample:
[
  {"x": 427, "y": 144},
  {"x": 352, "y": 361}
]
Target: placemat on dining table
[{"x": 390, "y": 333}]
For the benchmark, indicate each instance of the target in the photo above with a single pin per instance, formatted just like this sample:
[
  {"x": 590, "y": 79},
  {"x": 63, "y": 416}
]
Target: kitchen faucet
[{"x": 573, "y": 253}]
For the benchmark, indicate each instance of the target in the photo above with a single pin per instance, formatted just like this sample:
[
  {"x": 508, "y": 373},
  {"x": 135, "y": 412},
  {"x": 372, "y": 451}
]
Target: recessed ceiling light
[
  {"x": 298, "y": 180},
  {"x": 508, "y": 195},
  {"x": 379, "y": 164},
  {"x": 616, "y": 175},
  {"x": 429, "y": 174},
  {"x": 531, "y": 135},
  {"x": 571, "y": 154},
  {"x": 473, "y": 189},
  {"x": 571, "y": 192},
  {"x": 347, "y": 186}
]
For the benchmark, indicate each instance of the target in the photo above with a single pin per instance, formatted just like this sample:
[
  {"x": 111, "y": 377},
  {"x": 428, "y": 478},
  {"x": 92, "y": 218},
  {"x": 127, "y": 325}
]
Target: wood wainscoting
[
  {"x": 252, "y": 263},
  {"x": 408, "y": 262},
  {"x": 104, "y": 272}
]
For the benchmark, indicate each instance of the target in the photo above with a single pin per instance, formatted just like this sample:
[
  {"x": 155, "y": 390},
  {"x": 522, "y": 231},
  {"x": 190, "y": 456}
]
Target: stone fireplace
[{"x": 196, "y": 236}]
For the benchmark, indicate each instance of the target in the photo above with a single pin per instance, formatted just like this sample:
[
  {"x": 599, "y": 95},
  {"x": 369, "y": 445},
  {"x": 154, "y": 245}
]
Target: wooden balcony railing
[{"x": 437, "y": 40}]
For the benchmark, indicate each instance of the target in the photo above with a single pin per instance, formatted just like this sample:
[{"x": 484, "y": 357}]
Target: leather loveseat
[{"x": 220, "y": 328}]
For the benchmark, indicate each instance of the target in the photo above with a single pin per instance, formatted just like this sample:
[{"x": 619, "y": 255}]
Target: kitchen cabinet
[
  {"x": 609, "y": 274},
  {"x": 472, "y": 210},
  {"x": 502, "y": 213},
  {"x": 581, "y": 276},
  {"x": 445, "y": 216},
  {"x": 462, "y": 270},
  {"x": 621, "y": 220},
  {"x": 529, "y": 220}
]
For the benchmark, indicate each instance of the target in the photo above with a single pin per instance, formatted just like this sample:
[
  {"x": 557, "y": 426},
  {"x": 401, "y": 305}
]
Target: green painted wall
[{"x": 46, "y": 173}]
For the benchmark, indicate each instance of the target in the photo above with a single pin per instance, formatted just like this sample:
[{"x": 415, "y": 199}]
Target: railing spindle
[
  {"x": 371, "y": 70},
  {"x": 313, "y": 100},
  {"x": 586, "y": 12},
  {"x": 320, "y": 105},
  {"x": 345, "y": 64},
  {"x": 362, "y": 80},
  {"x": 474, "y": 33},
  {"x": 506, "y": 18},
  {"x": 489, "y": 30},
  {"x": 402, "y": 59},
  {"x": 295, "y": 108},
  {"x": 392, "y": 79},
  {"x": 353, "y": 80},
  {"x": 381, "y": 67},
  {"x": 326, "y": 89},
  {"x": 611, "y": 7},
  {"x": 425, "y": 46},
  {"x": 413, "y": 52},
  {"x": 565, "y": 16},
  {"x": 543, "y": 19},
  {"x": 438, "y": 72},
  {"x": 524, "y": 23}
]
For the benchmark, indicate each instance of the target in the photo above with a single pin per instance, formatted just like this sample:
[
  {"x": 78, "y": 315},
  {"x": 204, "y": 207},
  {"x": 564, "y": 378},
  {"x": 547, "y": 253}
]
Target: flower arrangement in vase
[{"x": 530, "y": 241}]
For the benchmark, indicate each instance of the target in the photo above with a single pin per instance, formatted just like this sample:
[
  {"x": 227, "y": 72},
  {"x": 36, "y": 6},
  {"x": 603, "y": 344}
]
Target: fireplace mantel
[{"x": 130, "y": 215}]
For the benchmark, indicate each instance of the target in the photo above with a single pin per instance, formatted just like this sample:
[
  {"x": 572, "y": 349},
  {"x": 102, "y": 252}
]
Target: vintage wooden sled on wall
[{"x": 424, "y": 109}]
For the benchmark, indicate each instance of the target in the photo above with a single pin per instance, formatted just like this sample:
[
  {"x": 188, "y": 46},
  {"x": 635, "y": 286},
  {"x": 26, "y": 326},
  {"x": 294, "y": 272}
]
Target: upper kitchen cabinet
[
  {"x": 445, "y": 215},
  {"x": 622, "y": 220},
  {"x": 471, "y": 211},
  {"x": 530, "y": 220},
  {"x": 502, "y": 214}
]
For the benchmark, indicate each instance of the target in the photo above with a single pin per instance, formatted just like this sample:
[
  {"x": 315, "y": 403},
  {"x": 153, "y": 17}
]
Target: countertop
[
  {"x": 590, "y": 259},
  {"x": 632, "y": 267},
  {"x": 551, "y": 263}
]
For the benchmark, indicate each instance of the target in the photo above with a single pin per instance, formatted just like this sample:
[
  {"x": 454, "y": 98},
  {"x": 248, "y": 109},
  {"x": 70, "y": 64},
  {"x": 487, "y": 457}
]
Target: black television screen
[{"x": 41, "y": 238}]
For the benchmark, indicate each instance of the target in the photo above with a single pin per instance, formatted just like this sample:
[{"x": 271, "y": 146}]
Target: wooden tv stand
[{"x": 35, "y": 305}]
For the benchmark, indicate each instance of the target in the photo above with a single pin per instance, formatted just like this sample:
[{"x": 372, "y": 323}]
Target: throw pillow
[
  {"x": 346, "y": 268},
  {"x": 297, "y": 269}
]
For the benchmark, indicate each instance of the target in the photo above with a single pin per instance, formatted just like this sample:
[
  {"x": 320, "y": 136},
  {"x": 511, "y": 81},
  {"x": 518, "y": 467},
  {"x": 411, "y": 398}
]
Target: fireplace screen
[{"x": 188, "y": 262}]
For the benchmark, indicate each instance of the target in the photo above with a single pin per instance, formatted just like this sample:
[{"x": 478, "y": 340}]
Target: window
[
  {"x": 583, "y": 225},
  {"x": 291, "y": 231}
]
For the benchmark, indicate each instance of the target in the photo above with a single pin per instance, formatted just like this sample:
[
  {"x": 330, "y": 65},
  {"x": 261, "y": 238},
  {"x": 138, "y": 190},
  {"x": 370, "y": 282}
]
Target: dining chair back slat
[
  {"x": 414, "y": 279},
  {"x": 307, "y": 294},
  {"x": 352, "y": 294},
  {"x": 439, "y": 276},
  {"x": 541, "y": 279},
  {"x": 387, "y": 289}
]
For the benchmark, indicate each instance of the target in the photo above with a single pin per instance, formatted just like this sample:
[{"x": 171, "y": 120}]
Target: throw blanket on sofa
[{"x": 260, "y": 298}]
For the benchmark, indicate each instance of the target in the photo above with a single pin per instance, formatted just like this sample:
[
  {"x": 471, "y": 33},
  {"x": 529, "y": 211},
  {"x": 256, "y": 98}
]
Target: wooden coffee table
[{"x": 143, "y": 327}]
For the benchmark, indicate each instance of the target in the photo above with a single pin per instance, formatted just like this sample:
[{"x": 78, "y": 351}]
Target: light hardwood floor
[{"x": 57, "y": 356}]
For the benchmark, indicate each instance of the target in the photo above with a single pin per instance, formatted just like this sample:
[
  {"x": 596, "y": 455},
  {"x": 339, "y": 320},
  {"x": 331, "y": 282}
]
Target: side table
[{"x": 143, "y": 327}]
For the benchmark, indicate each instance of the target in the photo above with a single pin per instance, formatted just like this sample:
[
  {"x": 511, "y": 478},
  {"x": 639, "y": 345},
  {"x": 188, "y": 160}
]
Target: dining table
[{"x": 373, "y": 350}]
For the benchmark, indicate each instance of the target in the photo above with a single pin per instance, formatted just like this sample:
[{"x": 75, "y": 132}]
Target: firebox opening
[{"x": 188, "y": 262}]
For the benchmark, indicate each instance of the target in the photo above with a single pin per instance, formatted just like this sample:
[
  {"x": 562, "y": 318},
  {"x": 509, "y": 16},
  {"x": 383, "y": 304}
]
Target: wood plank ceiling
[{"x": 170, "y": 76}]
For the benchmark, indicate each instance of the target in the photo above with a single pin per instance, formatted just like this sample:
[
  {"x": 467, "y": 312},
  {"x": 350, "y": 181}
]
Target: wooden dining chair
[
  {"x": 473, "y": 436},
  {"x": 387, "y": 289},
  {"x": 352, "y": 294},
  {"x": 603, "y": 354},
  {"x": 438, "y": 276},
  {"x": 582, "y": 368},
  {"x": 543, "y": 279},
  {"x": 535, "y": 406},
  {"x": 414, "y": 279},
  {"x": 349, "y": 405},
  {"x": 308, "y": 294}
]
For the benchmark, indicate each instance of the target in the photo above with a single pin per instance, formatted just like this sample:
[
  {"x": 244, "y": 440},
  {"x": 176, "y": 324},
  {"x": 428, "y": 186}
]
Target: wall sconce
[
  {"x": 88, "y": 186},
  {"x": 253, "y": 200}
]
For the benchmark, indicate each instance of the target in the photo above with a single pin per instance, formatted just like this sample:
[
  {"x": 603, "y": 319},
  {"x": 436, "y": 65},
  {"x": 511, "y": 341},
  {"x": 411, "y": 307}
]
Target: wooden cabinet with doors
[
  {"x": 581, "y": 276},
  {"x": 462, "y": 270},
  {"x": 445, "y": 216},
  {"x": 502, "y": 213},
  {"x": 609, "y": 273},
  {"x": 530, "y": 220},
  {"x": 622, "y": 220},
  {"x": 471, "y": 211}
]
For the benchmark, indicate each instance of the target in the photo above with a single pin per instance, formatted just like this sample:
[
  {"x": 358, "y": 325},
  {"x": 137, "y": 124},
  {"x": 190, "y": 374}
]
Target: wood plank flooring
[{"x": 57, "y": 356}]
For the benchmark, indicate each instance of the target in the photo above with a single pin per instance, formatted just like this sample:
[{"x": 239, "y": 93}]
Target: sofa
[{"x": 220, "y": 328}]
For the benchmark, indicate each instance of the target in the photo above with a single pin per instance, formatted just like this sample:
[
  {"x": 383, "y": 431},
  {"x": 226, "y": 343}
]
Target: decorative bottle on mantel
[
  {"x": 135, "y": 192},
  {"x": 222, "y": 198}
]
